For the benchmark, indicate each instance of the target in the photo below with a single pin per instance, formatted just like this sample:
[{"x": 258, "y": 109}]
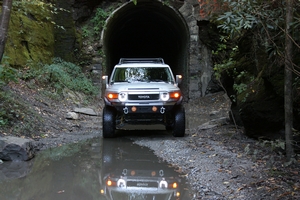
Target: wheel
[
  {"x": 179, "y": 122},
  {"x": 109, "y": 122}
]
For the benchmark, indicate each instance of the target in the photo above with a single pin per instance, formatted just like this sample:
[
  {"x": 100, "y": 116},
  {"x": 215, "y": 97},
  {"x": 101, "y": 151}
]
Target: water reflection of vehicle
[{"x": 131, "y": 173}]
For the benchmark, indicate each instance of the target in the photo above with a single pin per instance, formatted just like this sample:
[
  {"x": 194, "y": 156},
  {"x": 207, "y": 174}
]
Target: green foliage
[
  {"x": 86, "y": 32},
  {"x": 251, "y": 43},
  {"x": 265, "y": 20},
  {"x": 38, "y": 9},
  {"x": 60, "y": 75},
  {"x": 98, "y": 20},
  {"x": 97, "y": 23},
  {"x": 247, "y": 14},
  {"x": 15, "y": 115},
  {"x": 7, "y": 74},
  {"x": 225, "y": 62}
]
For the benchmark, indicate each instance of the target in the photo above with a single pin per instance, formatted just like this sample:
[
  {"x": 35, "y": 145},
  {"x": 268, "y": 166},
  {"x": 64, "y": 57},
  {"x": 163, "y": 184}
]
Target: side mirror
[
  {"x": 178, "y": 79},
  {"x": 105, "y": 81}
]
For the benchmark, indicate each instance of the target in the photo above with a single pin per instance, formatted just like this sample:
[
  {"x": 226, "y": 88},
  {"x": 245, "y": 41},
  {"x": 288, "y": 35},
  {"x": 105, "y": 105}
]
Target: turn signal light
[
  {"x": 112, "y": 95},
  {"x": 174, "y": 185},
  {"x": 175, "y": 95}
]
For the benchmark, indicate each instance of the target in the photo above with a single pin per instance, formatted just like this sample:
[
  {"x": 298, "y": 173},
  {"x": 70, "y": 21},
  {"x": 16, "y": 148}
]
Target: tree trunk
[
  {"x": 288, "y": 102},
  {"x": 4, "y": 22}
]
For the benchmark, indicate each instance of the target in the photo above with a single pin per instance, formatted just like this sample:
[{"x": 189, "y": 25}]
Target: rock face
[{"x": 16, "y": 149}]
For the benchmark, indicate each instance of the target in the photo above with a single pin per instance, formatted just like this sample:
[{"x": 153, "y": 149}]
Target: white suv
[{"x": 142, "y": 91}]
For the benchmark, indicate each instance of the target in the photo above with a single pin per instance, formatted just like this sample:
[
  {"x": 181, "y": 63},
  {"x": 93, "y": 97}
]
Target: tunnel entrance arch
[{"x": 148, "y": 29}]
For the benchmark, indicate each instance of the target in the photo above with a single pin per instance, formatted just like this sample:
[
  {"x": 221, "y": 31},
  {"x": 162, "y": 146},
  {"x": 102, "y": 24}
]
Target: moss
[{"x": 30, "y": 37}]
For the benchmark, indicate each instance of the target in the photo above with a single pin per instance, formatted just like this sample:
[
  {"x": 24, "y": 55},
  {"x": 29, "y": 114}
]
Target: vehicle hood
[{"x": 141, "y": 86}]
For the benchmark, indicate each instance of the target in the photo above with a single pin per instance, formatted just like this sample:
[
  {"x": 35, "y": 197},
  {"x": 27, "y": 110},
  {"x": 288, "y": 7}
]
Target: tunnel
[{"x": 146, "y": 30}]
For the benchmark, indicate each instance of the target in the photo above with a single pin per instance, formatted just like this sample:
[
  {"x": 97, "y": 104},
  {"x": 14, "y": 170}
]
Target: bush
[
  {"x": 7, "y": 74},
  {"x": 60, "y": 75}
]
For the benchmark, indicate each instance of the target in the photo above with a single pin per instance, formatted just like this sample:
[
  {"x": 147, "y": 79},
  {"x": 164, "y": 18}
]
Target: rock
[
  {"x": 86, "y": 111},
  {"x": 206, "y": 126},
  {"x": 72, "y": 115},
  {"x": 16, "y": 149}
]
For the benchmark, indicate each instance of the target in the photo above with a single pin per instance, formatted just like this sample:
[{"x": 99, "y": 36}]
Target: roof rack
[{"x": 141, "y": 60}]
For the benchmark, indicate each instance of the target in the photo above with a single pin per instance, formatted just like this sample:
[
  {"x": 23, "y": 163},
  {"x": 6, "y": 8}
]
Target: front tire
[
  {"x": 109, "y": 122},
  {"x": 179, "y": 122}
]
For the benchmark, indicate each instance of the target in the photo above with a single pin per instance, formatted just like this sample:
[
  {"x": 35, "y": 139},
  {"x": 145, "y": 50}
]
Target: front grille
[{"x": 143, "y": 97}]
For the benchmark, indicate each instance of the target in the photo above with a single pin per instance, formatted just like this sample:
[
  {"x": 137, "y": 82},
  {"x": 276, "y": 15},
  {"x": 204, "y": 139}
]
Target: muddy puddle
[{"x": 94, "y": 169}]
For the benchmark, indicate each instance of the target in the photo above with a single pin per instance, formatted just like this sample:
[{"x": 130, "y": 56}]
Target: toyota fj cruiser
[{"x": 142, "y": 91}]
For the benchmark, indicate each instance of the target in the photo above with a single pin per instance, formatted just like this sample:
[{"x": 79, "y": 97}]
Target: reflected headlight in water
[
  {"x": 163, "y": 184},
  {"x": 121, "y": 183}
]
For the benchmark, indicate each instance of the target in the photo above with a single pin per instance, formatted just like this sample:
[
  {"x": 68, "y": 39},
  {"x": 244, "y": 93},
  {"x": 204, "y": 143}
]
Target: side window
[{"x": 119, "y": 75}]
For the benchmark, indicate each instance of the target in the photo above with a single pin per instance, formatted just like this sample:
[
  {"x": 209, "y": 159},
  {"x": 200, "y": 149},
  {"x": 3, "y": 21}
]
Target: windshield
[{"x": 142, "y": 74}]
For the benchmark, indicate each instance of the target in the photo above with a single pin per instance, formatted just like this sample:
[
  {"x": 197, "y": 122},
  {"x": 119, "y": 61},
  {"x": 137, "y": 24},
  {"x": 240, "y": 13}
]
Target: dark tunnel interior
[{"x": 148, "y": 29}]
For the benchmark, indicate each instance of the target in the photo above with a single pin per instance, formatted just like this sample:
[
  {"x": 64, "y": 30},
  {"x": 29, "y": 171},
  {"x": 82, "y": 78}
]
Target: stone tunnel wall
[{"x": 200, "y": 65}]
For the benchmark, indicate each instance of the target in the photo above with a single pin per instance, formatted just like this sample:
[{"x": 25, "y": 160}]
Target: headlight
[
  {"x": 164, "y": 96},
  {"x": 123, "y": 96}
]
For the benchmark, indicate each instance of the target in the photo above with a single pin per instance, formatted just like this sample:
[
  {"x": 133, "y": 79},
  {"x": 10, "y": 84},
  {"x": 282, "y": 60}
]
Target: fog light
[
  {"x": 153, "y": 173},
  {"x": 133, "y": 109},
  {"x": 132, "y": 173},
  {"x": 154, "y": 108}
]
